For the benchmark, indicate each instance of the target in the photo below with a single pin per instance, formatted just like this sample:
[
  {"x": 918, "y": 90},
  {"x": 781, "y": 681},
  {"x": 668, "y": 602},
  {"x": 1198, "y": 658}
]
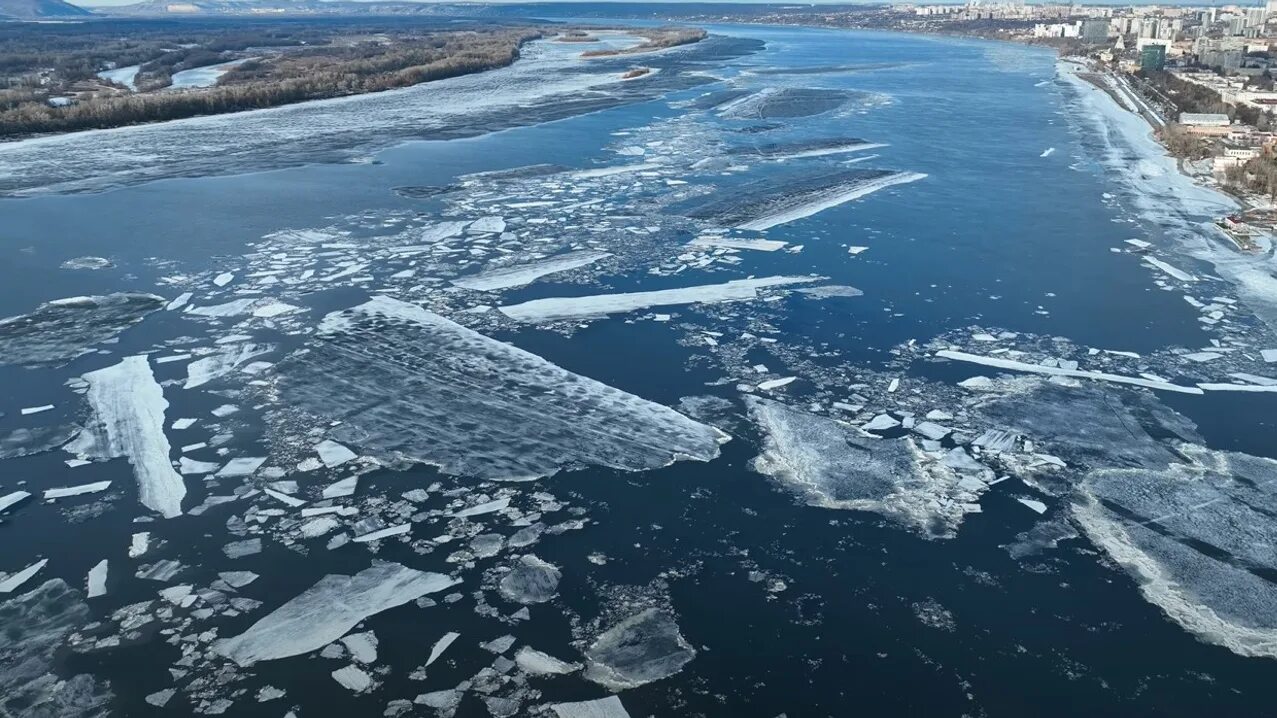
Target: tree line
[{"x": 306, "y": 75}]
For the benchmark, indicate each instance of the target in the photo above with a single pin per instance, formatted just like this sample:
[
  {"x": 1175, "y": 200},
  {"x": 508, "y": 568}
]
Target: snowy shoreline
[{"x": 1163, "y": 196}]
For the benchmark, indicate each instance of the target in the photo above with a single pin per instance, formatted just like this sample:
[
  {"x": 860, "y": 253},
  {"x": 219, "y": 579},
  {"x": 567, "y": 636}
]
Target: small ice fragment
[
  {"x": 13, "y": 499},
  {"x": 713, "y": 241},
  {"x": 224, "y": 410},
  {"x": 76, "y": 490},
  {"x": 188, "y": 467},
  {"x": 95, "y": 582},
  {"x": 179, "y": 302},
  {"x": 880, "y": 423},
  {"x": 440, "y": 646},
  {"x": 242, "y": 466},
  {"x": 1202, "y": 356},
  {"x": 893, "y": 386},
  {"x": 384, "y": 533},
  {"x": 1172, "y": 271},
  {"x": 853, "y": 251},
  {"x": 488, "y": 225},
  {"x": 159, "y": 699},
  {"x": 976, "y": 382},
  {"x": 319, "y": 526},
  {"x": 284, "y": 498},
  {"x": 338, "y": 489},
  {"x": 776, "y": 383},
  {"x": 333, "y": 454},
  {"x": 530, "y": 660},
  {"x": 275, "y": 309},
  {"x": 1037, "y": 506},
  {"x": 239, "y": 549},
  {"x": 484, "y": 508},
  {"x": 932, "y": 431},
  {"x": 15, "y": 580},
  {"x": 161, "y": 571},
  {"x": 362, "y": 646},
  {"x": 498, "y": 645},
  {"x": 237, "y": 579},
  {"x": 223, "y": 279},
  {"x": 530, "y": 581},
  {"x": 353, "y": 678},
  {"x": 139, "y": 543},
  {"x": 609, "y": 707},
  {"x": 182, "y": 424},
  {"x": 36, "y": 409},
  {"x": 1269, "y": 355}
]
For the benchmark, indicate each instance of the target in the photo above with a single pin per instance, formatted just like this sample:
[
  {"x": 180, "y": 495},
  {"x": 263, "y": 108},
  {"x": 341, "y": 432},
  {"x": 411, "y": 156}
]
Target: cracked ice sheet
[
  {"x": 472, "y": 405},
  {"x": 522, "y": 274},
  {"x": 202, "y": 371},
  {"x": 59, "y": 331},
  {"x": 32, "y": 683},
  {"x": 609, "y": 707},
  {"x": 326, "y": 611},
  {"x": 1198, "y": 539},
  {"x": 128, "y": 421},
  {"x": 557, "y": 308},
  {"x": 771, "y": 202},
  {"x": 1012, "y": 365},
  {"x": 1091, "y": 425},
  {"x": 548, "y": 81},
  {"x": 832, "y": 467}
]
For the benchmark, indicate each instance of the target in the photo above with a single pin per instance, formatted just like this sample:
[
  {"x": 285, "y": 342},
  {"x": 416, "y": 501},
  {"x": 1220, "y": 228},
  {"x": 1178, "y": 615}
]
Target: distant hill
[
  {"x": 40, "y": 9},
  {"x": 493, "y": 10}
]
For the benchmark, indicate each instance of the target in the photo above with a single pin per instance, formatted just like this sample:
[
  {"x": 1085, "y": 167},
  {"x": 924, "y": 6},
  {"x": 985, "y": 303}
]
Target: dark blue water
[{"x": 995, "y": 236}]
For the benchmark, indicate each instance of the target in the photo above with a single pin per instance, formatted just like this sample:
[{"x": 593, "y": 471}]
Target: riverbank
[
  {"x": 338, "y": 70},
  {"x": 368, "y": 61},
  {"x": 1181, "y": 210}
]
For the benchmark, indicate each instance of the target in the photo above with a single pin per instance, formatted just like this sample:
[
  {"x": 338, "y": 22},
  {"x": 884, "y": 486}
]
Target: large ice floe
[
  {"x": 833, "y": 465},
  {"x": 558, "y": 308},
  {"x": 326, "y": 611},
  {"x": 128, "y": 421},
  {"x": 58, "y": 331},
  {"x": 786, "y": 102},
  {"x": 472, "y": 405},
  {"x": 520, "y": 274},
  {"x": 640, "y": 649},
  {"x": 1199, "y": 538},
  {"x": 35, "y": 625},
  {"x": 766, "y": 203},
  {"x": 1092, "y": 427}
]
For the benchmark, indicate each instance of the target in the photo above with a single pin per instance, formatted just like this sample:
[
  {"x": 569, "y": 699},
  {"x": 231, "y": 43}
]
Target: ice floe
[
  {"x": 32, "y": 679},
  {"x": 472, "y": 405},
  {"x": 559, "y": 308},
  {"x": 832, "y": 466},
  {"x": 128, "y": 421},
  {"x": 326, "y": 611},
  {"x": 58, "y": 331},
  {"x": 518, "y": 275},
  {"x": 1198, "y": 539},
  {"x": 640, "y": 649}
]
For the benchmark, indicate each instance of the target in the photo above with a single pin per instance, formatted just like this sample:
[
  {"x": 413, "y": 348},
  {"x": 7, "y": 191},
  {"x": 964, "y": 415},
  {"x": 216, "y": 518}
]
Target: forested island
[{"x": 111, "y": 74}]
